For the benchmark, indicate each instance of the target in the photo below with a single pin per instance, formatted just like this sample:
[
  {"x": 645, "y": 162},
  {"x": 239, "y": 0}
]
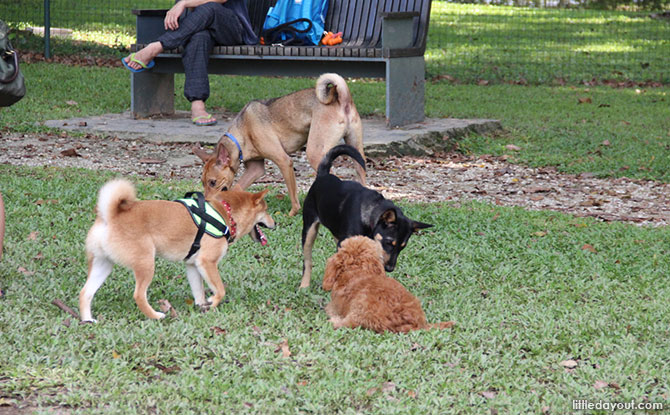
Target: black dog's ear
[
  {"x": 419, "y": 225},
  {"x": 389, "y": 216}
]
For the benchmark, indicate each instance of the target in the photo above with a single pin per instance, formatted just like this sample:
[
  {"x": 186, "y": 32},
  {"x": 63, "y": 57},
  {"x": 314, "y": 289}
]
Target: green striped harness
[{"x": 207, "y": 219}]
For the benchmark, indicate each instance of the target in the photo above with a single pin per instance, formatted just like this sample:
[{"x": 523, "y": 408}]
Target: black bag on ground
[{"x": 12, "y": 84}]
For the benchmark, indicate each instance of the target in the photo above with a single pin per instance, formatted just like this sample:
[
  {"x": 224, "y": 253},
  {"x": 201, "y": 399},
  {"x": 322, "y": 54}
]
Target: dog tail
[
  {"x": 331, "y": 87},
  {"x": 114, "y": 197},
  {"x": 442, "y": 325},
  {"x": 335, "y": 152}
]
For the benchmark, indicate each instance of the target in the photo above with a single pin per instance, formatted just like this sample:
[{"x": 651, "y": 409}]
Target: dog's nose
[{"x": 389, "y": 267}]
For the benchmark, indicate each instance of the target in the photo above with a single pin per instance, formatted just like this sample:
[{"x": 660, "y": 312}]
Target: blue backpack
[{"x": 295, "y": 22}]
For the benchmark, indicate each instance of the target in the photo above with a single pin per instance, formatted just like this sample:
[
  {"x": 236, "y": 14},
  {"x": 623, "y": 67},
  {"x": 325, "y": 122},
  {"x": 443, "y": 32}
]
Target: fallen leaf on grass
[
  {"x": 600, "y": 384},
  {"x": 149, "y": 160},
  {"x": 539, "y": 234},
  {"x": 25, "y": 272},
  {"x": 71, "y": 103},
  {"x": 71, "y": 152},
  {"x": 218, "y": 330},
  {"x": 411, "y": 394},
  {"x": 488, "y": 394},
  {"x": 166, "y": 369},
  {"x": 585, "y": 100},
  {"x": 569, "y": 364},
  {"x": 115, "y": 354},
  {"x": 589, "y": 247},
  {"x": 537, "y": 189},
  {"x": 606, "y": 143},
  {"x": 284, "y": 349},
  {"x": 32, "y": 236},
  {"x": 302, "y": 383},
  {"x": 512, "y": 147}
]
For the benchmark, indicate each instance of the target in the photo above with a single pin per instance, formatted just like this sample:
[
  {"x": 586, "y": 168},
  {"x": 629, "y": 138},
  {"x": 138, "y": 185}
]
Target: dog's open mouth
[{"x": 258, "y": 234}]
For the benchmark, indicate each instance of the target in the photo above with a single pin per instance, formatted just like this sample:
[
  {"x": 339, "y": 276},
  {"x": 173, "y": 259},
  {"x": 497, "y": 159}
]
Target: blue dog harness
[{"x": 206, "y": 218}]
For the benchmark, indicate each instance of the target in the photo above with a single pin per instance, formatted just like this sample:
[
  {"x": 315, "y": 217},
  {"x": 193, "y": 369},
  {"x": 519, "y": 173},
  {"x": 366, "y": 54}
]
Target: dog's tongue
[{"x": 263, "y": 238}]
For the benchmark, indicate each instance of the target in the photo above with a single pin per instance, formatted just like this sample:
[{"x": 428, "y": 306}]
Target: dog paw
[
  {"x": 89, "y": 321},
  {"x": 213, "y": 301},
  {"x": 159, "y": 316}
]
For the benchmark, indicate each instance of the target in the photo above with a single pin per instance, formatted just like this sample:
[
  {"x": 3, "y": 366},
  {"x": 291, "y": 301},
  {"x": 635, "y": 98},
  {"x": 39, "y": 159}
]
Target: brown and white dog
[
  {"x": 273, "y": 129},
  {"x": 362, "y": 295},
  {"x": 132, "y": 232}
]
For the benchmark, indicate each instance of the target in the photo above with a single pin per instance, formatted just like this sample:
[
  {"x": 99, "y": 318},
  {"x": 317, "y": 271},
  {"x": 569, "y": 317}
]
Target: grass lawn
[
  {"x": 524, "y": 293},
  {"x": 528, "y": 290}
]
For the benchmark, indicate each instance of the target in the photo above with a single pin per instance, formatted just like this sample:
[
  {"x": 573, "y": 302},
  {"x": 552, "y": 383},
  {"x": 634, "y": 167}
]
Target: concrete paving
[{"x": 437, "y": 134}]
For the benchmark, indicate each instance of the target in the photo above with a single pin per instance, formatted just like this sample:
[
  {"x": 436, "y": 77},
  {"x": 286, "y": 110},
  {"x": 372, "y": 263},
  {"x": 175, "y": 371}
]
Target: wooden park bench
[{"x": 381, "y": 39}]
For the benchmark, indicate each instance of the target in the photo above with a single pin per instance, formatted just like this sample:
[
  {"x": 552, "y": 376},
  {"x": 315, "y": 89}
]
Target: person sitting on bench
[{"x": 207, "y": 22}]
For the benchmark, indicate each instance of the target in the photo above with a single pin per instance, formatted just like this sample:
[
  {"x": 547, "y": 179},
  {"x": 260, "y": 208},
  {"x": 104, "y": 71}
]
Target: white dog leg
[{"x": 100, "y": 270}]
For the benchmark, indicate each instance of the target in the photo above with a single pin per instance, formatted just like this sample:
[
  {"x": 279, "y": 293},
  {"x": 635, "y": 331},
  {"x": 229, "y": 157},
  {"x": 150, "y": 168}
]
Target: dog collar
[
  {"x": 233, "y": 226},
  {"x": 207, "y": 219},
  {"x": 237, "y": 143}
]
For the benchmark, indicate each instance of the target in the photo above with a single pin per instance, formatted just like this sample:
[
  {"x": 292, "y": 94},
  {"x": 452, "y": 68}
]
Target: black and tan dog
[
  {"x": 132, "y": 232},
  {"x": 273, "y": 129},
  {"x": 348, "y": 209}
]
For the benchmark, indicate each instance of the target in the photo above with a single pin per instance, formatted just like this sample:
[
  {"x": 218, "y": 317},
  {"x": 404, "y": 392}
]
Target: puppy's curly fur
[{"x": 362, "y": 295}]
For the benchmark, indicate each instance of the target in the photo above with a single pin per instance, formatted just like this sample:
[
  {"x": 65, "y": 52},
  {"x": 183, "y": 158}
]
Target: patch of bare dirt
[{"x": 450, "y": 177}]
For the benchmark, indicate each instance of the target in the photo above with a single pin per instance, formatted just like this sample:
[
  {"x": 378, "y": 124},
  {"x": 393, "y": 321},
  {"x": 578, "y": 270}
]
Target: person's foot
[
  {"x": 199, "y": 114},
  {"x": 145, "y": 55}
]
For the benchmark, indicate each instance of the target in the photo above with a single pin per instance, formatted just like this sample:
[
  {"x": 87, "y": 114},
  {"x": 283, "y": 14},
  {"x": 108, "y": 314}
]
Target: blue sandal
[{"x": 139, "y": 62}]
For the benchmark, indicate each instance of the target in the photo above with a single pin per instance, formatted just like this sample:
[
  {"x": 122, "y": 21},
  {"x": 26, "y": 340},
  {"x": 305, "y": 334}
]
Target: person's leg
[
  {"x": 196, "y": 86},
  {"x": 200, "y": 18},
  {"x": 223, "y": 29}
]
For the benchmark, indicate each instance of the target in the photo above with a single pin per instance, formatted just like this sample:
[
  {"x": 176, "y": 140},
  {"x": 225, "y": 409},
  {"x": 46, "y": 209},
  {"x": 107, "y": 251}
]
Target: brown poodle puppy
[{"x": 362, "y": 294}]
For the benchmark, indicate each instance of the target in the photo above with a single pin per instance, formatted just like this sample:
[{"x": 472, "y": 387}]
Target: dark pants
[{"x": 199, "y": 30}]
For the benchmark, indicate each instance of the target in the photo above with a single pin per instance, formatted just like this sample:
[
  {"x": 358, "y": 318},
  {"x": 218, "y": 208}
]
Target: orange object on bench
[{"x": 330, "y": 38}]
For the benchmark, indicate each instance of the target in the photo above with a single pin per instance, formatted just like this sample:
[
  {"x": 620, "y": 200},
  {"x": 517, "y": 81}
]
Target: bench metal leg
[
  {"x": 151, "y": 94},
  {"x": 405, "y": 79}
]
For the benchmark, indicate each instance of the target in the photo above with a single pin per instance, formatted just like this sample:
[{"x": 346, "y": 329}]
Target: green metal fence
[
  {"x": 538, "y": 45},
  {"x": 468, "y": 42}
]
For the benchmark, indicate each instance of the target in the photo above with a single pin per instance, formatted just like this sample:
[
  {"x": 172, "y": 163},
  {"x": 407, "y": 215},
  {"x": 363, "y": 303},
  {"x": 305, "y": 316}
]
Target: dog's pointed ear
[
  {"x": 260, "y": 195},
  {"x": 203, "y": 154},
  {"x": 389, "y": 216},
  {"x": 222, "y": 155},
  {"x": 416, "y": 225}
]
